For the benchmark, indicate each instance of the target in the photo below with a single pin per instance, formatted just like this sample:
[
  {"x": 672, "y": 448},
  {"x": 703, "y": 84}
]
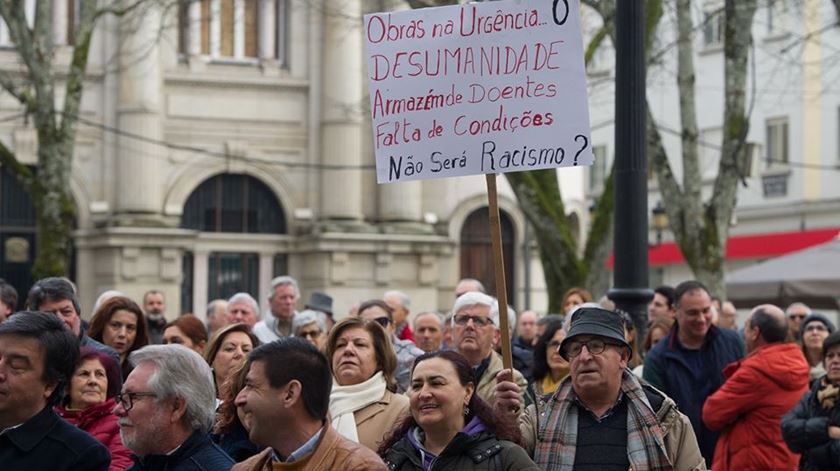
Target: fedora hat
[{"x": 320, "y": 302}]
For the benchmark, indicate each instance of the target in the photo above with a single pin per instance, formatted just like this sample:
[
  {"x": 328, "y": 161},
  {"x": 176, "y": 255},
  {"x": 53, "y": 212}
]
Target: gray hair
[
  {"x": 477, "y": 283},
  {"x": 494, "y": 314},
  {"x": 181, "y": 373},
  {"x": 106, "y": 295},
  {"x": 405, "y": 301},
  {"x": 440, "y": 318},
  {"x": 798, "y": 305},
  {"x": 239, "y": 298},
  {"x": 214, "y": 305},
  {"x": 280, "y": 281},
  {"x": 307, "y": 317},
  {"x": 474, "y": 298}
]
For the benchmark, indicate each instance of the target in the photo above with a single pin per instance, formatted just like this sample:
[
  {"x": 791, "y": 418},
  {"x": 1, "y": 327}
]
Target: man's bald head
[{"x": 767, "y": 324}]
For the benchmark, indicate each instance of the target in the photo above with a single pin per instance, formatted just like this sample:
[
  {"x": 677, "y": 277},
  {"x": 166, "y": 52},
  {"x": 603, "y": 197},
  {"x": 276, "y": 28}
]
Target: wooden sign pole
[{"x": 499, "y": 267}]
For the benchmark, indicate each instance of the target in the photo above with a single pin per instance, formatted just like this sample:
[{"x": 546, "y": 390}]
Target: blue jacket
[
  {"x": 668, "y": 369},
  {"x": 47, "y": 442},
  {"x": 198, "y": 453}
]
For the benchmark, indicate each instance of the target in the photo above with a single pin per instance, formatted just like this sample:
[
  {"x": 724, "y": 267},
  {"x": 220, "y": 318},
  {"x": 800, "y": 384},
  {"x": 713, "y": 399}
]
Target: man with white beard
[{"x": 166, "y": 408}]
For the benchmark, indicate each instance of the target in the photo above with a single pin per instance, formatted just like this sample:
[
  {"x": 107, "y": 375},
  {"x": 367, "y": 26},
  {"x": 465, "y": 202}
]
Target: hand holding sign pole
[{"x": 479, "y": 88}]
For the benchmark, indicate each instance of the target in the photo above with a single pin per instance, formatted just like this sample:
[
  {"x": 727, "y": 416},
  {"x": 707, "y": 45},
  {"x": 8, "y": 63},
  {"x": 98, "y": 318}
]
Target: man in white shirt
[{"x": 283, "y": 296}]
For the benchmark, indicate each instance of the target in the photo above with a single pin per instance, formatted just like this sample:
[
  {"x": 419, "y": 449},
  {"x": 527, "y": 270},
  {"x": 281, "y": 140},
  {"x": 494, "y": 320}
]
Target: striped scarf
[{"x": 557, "y": 432}]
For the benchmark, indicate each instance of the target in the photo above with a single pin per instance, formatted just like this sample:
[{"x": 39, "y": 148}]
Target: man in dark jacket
[
  {"x": 166, "y": 409},
  {"x": 688, "y": 363},
  {"x": 37, "y": 358},
  {"x": 57, "y": 296}
]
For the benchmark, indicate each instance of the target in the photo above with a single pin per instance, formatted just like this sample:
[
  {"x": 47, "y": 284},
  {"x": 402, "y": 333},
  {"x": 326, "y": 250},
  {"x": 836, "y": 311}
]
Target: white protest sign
[{"x": 488, "y": 87}]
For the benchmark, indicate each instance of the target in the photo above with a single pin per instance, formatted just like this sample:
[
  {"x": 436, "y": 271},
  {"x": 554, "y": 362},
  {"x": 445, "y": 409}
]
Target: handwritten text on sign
[{"x": 487, "y": 87}]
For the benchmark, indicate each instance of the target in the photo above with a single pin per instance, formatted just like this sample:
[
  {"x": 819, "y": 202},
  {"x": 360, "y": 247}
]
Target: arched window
[
  {"x": 234, "y": 203},
  {"x": 230, "y": 203},
  {"x": 477, "y": 250}
]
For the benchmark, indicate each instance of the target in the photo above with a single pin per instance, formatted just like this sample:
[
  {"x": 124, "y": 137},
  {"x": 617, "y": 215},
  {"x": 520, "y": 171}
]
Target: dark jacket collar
[
  {"x": 674, "y": 340},
  {"x": 478, "y": 448},
  {"x": 30, "y": 433},
  {"x": 187, "y": 449}
]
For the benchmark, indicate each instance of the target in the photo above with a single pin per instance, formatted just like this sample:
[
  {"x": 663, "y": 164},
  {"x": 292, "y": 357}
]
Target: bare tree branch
[
  {"x": 8, "y": 159},
  {"x": 8, "y": 84},
  {"x": 691, "y": 203}
]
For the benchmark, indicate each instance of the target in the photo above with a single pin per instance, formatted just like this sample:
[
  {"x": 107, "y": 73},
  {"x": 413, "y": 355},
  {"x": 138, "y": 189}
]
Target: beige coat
[
  {"x": 487, "y": 384},
  {"x": 680, "y": 441},
  {"x": 376, "y": 420},
  {"x": 333, "y": 452}
]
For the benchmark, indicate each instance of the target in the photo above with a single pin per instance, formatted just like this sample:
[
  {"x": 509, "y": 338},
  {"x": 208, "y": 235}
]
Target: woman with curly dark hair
[{"x": 450, "y": 427}]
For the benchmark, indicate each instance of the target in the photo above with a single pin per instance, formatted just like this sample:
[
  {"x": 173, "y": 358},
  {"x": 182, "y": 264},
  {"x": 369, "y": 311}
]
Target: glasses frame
[
  {"x": 310, "y": 334},
  {"x": 580, "y": 344},
  {"x": 126, "y": 399},
  {"x": 479, "y": 321}
]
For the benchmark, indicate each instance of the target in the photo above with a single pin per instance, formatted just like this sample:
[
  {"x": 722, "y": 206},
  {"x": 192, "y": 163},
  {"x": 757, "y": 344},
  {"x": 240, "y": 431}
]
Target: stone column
[
  {"x": 266, "y": 30},
  {"x": 194, "y": 34},
  {"x": 401, "y": 202},
  {"x": 266, "y": 273},
  {"x": 200, "y": 269},
  {"x": 342, "y": 115},
  {"x": 60, "y": 25},
  {"x": 141, "y": 165}
]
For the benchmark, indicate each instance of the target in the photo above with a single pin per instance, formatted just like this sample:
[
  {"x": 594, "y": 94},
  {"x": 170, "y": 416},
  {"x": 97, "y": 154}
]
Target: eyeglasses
[
  {"x": 383, "y": 321},
  {"x": 593, "y": 346},
  {"x": 312, "y": 333},
  {"x": 479, "y": 321},
  {"x": 126, "y": 400},
  {"x": 797, "y": 316}
]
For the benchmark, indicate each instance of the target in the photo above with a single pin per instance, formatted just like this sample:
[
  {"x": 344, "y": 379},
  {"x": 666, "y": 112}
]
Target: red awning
[{"x": 746, "y": 246}]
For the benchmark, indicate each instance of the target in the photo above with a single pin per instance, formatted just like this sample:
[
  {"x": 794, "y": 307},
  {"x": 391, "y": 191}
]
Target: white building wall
[{"x": 782, "y": 60}]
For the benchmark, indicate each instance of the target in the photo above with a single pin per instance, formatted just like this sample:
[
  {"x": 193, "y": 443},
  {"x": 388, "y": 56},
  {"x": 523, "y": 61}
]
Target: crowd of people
[{"x": 387, "y": 388}]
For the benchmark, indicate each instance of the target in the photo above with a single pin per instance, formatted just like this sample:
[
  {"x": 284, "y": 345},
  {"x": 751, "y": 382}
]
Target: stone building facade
[{"x": 227, "y": 141}]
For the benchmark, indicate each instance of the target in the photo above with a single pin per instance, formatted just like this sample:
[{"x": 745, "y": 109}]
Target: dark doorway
[
  {"x": 477, "y": 251},
  {"x": 17, "y": 235}
]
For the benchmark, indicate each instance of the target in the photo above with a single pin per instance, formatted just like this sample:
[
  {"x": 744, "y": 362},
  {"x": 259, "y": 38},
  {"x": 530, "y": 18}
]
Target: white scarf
[{"x": 345, "y": 400}]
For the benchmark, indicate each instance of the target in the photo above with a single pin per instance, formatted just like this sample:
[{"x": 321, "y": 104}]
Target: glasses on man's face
[
  {"x": 593, "y": 346},
  {"x": 797, "y": 316},
  {"x": 479, "y": 321},
  {"x": 311, "y": 334},
  {"x": 126, "y": 399}
]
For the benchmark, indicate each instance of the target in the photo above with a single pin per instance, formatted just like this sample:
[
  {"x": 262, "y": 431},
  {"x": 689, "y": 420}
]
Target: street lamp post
[{"x": 630, "y": 291}]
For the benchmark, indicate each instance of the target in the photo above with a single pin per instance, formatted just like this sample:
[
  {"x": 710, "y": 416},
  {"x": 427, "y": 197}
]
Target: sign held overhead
[{"x": 479, "y": 88}]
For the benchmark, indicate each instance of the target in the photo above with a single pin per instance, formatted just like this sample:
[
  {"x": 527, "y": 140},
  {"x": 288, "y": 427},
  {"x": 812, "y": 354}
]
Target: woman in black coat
[
  {"x": 812, "y": 427},
  {"x": 450, "y": 427}
]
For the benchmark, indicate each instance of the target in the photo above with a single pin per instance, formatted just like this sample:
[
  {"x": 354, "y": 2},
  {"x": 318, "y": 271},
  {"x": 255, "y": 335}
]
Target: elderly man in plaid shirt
[{"x": 602, "y": 417}]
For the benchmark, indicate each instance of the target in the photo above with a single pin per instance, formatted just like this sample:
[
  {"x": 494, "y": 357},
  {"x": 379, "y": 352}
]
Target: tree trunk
[
  {"x": 538, "y": 194},
  {"x": 55, "y": 210}
]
